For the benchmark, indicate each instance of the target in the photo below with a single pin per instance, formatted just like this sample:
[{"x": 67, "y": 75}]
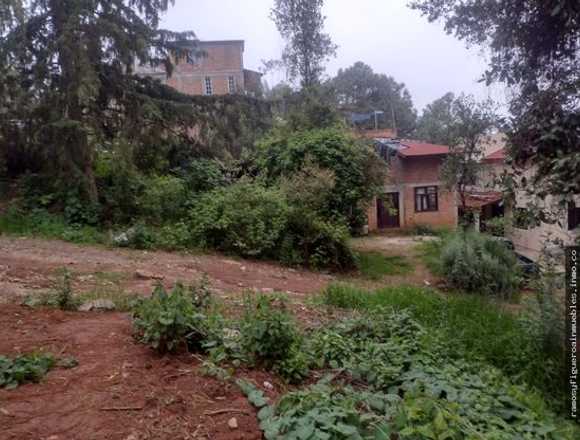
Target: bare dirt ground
[
  {"x": 28, "y": 265},
  {"x": 120, "y": 390}
]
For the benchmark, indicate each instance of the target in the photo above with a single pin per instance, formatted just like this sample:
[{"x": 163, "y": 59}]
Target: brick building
[
  {"x": 413, "y": 194},
  {"x": 217, "y": 70}
]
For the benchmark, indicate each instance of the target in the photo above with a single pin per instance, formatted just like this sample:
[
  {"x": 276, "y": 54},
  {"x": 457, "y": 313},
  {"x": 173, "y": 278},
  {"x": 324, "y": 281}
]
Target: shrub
[
  {"x": 64, "y": 292},
  {"x": 268, "y": 330},
  {"x": 245, "y": 218},
  {"x": 203, "y": 175},
  {"x": 316, "y": 243},
  {"x": 120, "y": 186},
  {"x": 164, "y": 199},
  {"x": 22, "y": 369},
  {"x": 359, "y": 172},
  {"x": 167, "y": 320},
  {"x": 477, "y": 263}
]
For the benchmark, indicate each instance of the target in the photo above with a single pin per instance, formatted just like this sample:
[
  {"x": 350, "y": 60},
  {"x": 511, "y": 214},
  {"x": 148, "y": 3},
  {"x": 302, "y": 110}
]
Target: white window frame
[
  {"x": 208, "y": 86},
  {"x": 232, "y": 84}
]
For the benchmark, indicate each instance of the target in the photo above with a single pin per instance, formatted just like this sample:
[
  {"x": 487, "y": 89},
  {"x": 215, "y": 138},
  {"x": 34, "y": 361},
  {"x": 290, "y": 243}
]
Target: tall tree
[
  {"x": 437, "y": 120},
  {"x": 535, "y": 48},
  {"x": 71, "y": 62},
  {"x": 471, "y": 122},
  {"x": 301, "y": 24},
  {"x": 359, "y": 89}
]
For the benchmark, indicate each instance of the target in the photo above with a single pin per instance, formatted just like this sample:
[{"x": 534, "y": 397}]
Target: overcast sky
[{"x": 385, "y": 34}]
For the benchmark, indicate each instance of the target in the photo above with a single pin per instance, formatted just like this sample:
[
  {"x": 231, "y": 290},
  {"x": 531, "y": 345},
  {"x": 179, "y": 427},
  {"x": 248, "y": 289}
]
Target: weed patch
[
  {"x": 389, "y": 381},
  {"x": 468, "y": 327},
  {"x": 23, "y": 369}
]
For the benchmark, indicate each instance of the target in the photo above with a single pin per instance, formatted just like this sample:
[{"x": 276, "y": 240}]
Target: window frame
[
  {"x": 425, "y": 199},
  {"x": 208, "y": 86},
  {"x": 232, "y": 86}
]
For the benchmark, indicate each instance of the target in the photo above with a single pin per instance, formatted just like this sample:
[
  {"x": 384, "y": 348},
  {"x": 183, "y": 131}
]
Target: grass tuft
[{"x": 375, "y": 266}]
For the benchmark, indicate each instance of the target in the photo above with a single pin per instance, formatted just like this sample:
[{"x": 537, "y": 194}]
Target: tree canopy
[
  {"x": 67, "y": 71},
  {"x": 436, "y": 122},
  {"x": 359, "y": 89},
  {"x": 535, "y": 48},
  {"x": 301, "y": 24}
]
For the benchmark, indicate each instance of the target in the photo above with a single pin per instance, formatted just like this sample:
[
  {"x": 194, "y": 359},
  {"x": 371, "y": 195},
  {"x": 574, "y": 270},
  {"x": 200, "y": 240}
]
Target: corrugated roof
[{"x": 417, "y": 148}]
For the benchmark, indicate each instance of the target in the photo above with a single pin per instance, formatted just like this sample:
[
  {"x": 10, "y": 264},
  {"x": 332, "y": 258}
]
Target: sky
[{"x": 385, "y": 34}]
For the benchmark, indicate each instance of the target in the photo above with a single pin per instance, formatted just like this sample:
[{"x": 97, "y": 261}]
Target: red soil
[{"x": 120, "y": 389}]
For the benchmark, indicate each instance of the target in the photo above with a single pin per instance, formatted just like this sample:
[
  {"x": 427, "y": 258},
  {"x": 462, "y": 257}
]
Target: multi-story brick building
[
  {"x": 218, "y": 69},
  {"x": 413, "y": 194}
]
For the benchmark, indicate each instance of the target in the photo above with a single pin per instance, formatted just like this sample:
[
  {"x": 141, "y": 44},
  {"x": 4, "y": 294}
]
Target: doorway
[{"x": 388, "y": 211}]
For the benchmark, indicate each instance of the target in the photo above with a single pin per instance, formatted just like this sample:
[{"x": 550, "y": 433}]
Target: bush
[
  {"x": 477, "y": 263},
  {"x": 268, "y": 330},
  {"x": 359, "y": 172},
  {"x": 166, "y": 321},
  {"x": 245, "y": 218},
  {"x": 203, "y": 175},
  {"x": 120, "y": 186},
  {"x": 165, "y": 199},
  {"x": 22, "y": 369},
  {"x": 316, "y": 243}
]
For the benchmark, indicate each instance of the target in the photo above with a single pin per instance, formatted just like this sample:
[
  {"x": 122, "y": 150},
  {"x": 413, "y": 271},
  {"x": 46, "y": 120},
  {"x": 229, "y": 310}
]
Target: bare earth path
[{"x": 28, "y": 265}]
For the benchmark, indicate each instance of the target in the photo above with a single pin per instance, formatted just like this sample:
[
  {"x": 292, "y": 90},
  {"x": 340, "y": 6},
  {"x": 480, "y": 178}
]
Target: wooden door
[{"x": 388, "y": 211}]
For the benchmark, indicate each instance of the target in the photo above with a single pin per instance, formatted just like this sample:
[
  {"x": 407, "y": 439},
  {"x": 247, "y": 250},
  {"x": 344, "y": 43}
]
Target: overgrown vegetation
[
  {"x": 393, "y": 379},
  {"x": 524, "y": 346},
  {"x": 166, "y": 321},
  {"x": 474, "y": 263},
  {"x": 22, "y": 369}
]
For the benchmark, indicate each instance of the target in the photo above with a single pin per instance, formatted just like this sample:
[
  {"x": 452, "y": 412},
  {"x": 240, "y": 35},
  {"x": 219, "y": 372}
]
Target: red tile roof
[
  {"x": 416, "y": 148},
  {"x": 497, "y": 156}
]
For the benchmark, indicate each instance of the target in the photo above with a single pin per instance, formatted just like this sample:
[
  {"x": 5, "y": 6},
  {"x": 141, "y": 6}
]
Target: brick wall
[
  {"x": 445, "y": 216},
  {"x": 222, "y": 60},
  {"x": 405, "y": 174}
]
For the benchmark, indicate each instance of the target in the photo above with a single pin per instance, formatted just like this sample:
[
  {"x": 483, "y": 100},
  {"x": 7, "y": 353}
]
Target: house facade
[
  {"x": 413, "y": 194},
  {"x": 529, "y": 235},
  {"x": 218, "y": 69},
  {"x": 532, "y": 236}
]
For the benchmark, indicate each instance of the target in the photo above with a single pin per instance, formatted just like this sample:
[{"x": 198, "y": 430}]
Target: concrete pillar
[{"x": 477, "y": 221}]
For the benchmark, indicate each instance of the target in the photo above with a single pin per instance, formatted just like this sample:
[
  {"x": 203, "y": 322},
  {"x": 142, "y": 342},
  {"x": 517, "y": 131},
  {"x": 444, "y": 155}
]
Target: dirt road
[{"x": 28, "y": 265}]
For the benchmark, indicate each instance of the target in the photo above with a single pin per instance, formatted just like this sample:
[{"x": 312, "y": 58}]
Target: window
[
  {"x": 232, "y": 84},
  {"x": 190, "y": 57},
  {"x": 573, "y": 216},
  {"x": 426, "y": 199},
  {"x": 208, "y": 86}
]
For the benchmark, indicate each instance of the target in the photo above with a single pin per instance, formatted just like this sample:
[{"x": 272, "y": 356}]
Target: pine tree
[{"x": 67, "y": 75}]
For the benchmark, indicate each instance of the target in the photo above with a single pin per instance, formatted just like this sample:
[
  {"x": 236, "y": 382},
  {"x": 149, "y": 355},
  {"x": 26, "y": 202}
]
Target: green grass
[
  {"x": 430, "y": 253},
  {"x": 46, "y": 225},
  {"x": 375, "y": 266},
  {"x": 471, "y": 327}
]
